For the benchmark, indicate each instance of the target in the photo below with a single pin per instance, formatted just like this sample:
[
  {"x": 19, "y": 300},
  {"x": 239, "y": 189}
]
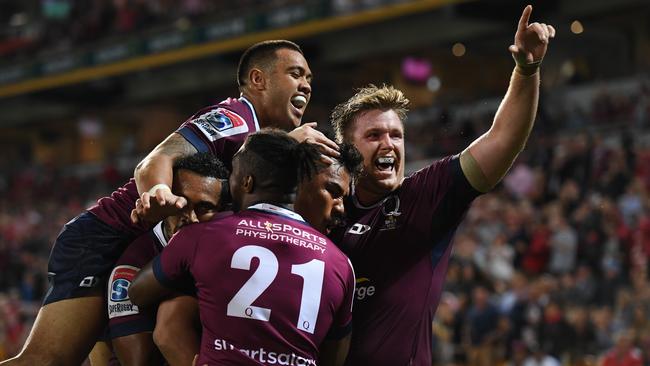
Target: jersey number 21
[{"x": 312, "y": 273}]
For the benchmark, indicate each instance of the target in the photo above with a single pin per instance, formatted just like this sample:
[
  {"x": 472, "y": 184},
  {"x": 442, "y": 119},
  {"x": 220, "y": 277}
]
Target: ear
[
  {"x": 248, "y": 184},
  {"x": 257, "y": 79}
]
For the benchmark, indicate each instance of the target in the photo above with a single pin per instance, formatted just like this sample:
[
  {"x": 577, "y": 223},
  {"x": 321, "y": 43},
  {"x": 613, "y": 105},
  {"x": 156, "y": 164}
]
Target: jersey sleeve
[
  {"x": 443, "y": 195},
  {"x": 342, "y": 325},
  {"x": 172, "y": 267},
  {"x": 211, "y": 129}
]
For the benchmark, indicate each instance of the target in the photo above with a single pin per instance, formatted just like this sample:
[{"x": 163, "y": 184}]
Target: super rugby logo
[
  {"x": 120, "y": 281},
  {"x": 219, "y": 123},
  {"x": 118, "y": 291}
]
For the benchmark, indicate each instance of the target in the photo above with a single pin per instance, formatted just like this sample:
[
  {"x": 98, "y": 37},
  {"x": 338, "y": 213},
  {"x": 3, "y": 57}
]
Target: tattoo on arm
[{"x": 177, "y": 146}]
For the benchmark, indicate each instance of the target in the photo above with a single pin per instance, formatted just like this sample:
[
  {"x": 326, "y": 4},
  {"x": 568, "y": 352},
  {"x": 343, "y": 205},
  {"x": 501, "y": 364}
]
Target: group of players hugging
[{"x": 235, "y": 241}]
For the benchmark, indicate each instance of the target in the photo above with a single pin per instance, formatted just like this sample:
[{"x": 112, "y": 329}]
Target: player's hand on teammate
[
  {"x": 308, "y": 133},
  {"x": 531, "y": 42},
  {"x": 157, "y": 204}
]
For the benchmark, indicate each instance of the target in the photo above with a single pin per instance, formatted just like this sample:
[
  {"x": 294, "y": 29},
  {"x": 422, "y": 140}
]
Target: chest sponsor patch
[
  {"x": 119, "y": 303},
  {"x": 364, "y": 288},
  {"x": 219, "y": 123},
  {"x": 359, "y": 229}
]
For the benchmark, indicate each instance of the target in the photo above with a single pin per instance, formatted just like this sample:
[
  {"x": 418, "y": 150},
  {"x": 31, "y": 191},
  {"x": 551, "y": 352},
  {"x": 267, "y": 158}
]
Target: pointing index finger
[{"x": 525, "y": 16}]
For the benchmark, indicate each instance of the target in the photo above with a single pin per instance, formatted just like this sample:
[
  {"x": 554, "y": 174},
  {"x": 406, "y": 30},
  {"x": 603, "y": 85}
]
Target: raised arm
[
  {"x": 489, "y": 157},
  {"x": 153, "y": 177}
]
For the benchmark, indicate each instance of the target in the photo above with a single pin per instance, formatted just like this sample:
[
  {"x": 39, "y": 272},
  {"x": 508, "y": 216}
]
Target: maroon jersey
[
  {"x": 400, "y": 249},
  {"x": 220, "y": 129},
  {"x": 271, "y": 288},
  {"x": 124, "y": 317}
]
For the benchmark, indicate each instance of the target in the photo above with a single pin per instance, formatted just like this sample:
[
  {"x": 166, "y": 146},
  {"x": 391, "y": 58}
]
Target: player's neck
[
  {"x": 369, "y": 192},
  {"x": 272, "y": 199},
  {"x": 368, "y": 197},
  {"x": 258, "y": 108}
]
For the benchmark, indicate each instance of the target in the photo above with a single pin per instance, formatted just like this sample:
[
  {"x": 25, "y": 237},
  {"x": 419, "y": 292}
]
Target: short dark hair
[
  {"x": 261, "y": 54},
  {"x": 277, "y": 160},
  {"x": 204, "y": 164},
  {"x": 351, "y": 160}
]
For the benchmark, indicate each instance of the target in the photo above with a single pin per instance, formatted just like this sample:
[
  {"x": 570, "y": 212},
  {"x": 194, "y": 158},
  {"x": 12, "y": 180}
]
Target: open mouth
[
  {"x": 299, "y": 101},
  {"x": 385, "y": 163}
]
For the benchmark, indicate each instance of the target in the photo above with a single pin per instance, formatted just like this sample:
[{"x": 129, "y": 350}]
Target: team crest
[
  {"x": 119, "y": 303},
  {"x": 220, "y": 122},
  {"x": 390, "y": 209}
]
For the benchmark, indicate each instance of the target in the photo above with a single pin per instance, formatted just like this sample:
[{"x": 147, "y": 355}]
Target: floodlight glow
[
  {"x": 458, "y": 49},
  {"x": 576, "y": 27}
]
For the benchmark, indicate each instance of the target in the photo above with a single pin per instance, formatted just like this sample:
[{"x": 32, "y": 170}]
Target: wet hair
[
  {"x": 277, "y": 161},
  {"x": 351, "y": 160},
  {"x": 261, "y": 54},
  {"x": 204, "y": 164},
  {"x": 382, "y": 98}
]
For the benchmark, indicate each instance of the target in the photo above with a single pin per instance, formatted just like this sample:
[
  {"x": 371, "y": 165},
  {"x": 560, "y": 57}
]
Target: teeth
[
  {"x": 299, "y": 101},
  {"x": 386, "y": 160}
]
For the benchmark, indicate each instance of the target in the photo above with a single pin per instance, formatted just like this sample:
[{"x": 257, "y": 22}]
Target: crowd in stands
[
  {"x": 63, "y": 24},
  {"x": 28, "y": 28},
  {"x": 550, "y": 268},
  {"x": 35, "y": 203}
]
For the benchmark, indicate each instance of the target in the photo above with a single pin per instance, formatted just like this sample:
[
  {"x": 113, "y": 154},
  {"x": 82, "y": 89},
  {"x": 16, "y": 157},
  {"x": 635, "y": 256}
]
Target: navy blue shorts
[{"x": 82, "y": 258}]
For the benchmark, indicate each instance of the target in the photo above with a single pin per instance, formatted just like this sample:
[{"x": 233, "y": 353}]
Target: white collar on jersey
[
  {"x": 250, "y": 105},
  {"x": 158, "y": 232},
  {"x": 277, "y": 210}
]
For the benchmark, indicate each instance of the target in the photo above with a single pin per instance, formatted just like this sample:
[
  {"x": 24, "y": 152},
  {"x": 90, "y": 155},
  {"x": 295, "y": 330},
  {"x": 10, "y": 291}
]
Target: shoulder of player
[
  {"x": 340, "y": 264},
  {"x": 334, "y": 252},
  {"x": 200, "y": 229},
  {"x": 436, "y": 167},
  {"x": 225, "y": 109},
  {"x": 223, "y": 121}
]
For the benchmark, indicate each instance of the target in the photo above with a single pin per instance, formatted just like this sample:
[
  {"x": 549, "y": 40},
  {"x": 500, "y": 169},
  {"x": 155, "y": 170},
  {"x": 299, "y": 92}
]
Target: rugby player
[
  {"x": 399, "y": 230},
  {"x": 319, "y": 201},
  {"x": 201, "y": 179},
  {"x": 274, "y": 81},
  {"x": 271, "y": 288}
]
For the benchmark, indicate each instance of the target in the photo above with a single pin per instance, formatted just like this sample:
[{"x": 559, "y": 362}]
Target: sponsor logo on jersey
[
  {"x": 220, "y": 122},
  {"x": 119, "y": 303},
  {"x": 364, "y": 288},
  {"x": 90, "y": 281},
  {"x": 359, "y": 229},
  {"x": 280, "y": 232},
  {"x": 264, "y": 355}
]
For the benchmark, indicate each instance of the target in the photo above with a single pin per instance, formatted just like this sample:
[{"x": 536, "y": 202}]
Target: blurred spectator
[
  {"x": 564, "y": 245},
  {"x": 623, "y": 353},
  {"x": 482, "y": 320},
  {"x": 540, "y": 358}
]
